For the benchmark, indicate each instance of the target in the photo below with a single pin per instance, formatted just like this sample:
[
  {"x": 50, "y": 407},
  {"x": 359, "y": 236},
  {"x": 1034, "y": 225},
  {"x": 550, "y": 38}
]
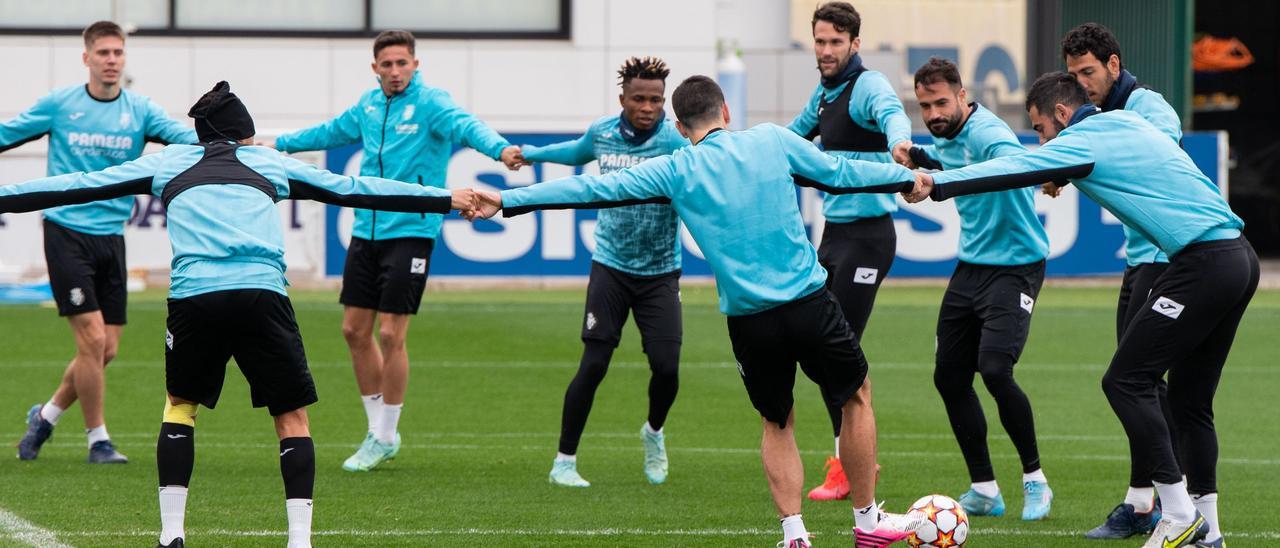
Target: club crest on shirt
[
  {"x": 76, "y": 296},
  {"x": 125, "y": 118},
  {"x": 408, "y": 113}
]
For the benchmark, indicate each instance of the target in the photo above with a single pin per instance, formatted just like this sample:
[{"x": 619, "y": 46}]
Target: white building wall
[{"x": 289, "y": 83}]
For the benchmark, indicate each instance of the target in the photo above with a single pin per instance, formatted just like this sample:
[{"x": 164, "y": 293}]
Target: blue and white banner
[{"x": 1084, "y": 238}]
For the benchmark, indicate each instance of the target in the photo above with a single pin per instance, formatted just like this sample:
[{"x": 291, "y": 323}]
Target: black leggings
[
  {"x": 664, "y": 362},
  {"x": 1134, "y": 290},
  {"x": 954, "y": 381},
  {"x": 1185, "y": 329}
]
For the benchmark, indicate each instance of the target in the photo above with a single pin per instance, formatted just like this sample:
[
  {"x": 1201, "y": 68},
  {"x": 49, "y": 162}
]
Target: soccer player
[
  {"x": 986, "y": 311},
  {"x": 1187, "y": 323},
  {"x": 227, "y": 295},
  {"x": 858, "y": 115},
  {"x": 408, "y": 131},
  {"x": 91, "y": 127},
  {"x": 734, "y": 192},
  {"x": 1092, "y": 54},
  {"x": 635, "y": 268}
]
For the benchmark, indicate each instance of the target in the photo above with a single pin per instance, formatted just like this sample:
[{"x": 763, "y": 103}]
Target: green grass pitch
[{"x": 482, "y": 417}]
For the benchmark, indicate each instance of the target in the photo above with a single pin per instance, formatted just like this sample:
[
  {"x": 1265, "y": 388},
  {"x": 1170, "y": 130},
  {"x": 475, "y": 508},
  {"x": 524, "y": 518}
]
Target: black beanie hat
[{"x": 220, "y": 115}]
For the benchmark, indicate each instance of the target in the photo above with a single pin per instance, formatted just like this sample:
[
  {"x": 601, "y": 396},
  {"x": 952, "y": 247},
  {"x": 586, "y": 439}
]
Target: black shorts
[
  {"x": 386, "y": 275},
  {"x": 257, "y": 328},
  {"x": 612, "y": 294},
  {"x": 810, "y": 330},
  {"x": 987, "y": 308},
  {"x": 86, "y": 272},
  {"x": 857, "y": 257},
  {"x": 1134, "y": 290}
]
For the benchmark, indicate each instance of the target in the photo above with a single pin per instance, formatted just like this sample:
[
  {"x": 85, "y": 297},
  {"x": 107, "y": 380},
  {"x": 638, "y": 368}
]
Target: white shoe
[
  {"x": 566, "y": 473},
  {"x": 1170, "y": 534}
]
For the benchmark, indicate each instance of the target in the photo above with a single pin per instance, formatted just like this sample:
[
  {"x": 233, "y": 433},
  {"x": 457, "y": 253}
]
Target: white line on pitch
[
  {"x": 630, "y": 435},
  {"x": 21, "y": 530},
  {"x": 1085, "y": 367},
  {"x": 604, "y": 532},
  {"x": 713, "y": 450}
]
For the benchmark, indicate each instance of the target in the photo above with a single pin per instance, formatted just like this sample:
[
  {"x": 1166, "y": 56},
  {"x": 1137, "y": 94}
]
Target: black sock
[
  {"x": 582, "y": 392},
  {"x": 175, "y": 454},
  {"x": 298, "y": 467},
  {"x": 664, "y": 364}
]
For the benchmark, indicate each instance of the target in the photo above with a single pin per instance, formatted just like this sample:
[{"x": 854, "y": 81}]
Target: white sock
[
  {"x": 561, "y": 457},
  {"x": 97, "y": 434},
  {"x": 793, "y": 528},
  {"x": 299, "y": 511},
  {"x": 372, "y": 410},
  {"x": 986, "y": 488},
  {"x": 386, "y": 431},
  {"x": 1176, "y": 503},
  {"x": 837, "y": 447},
  {"x": 50, "y": 412},
  {"x": 173, "y": 511},
  {"x": 1208, "y": 505},
  {"x": 1143, "y": 499},
  {"x": 866, "y": 518},
  {"x": 1038, "y": 475},
  {"x": 649, "y": 429}
]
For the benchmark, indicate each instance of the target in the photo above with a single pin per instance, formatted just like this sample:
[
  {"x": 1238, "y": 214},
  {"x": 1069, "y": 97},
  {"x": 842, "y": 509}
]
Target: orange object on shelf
[{"x": 1211, "y": 54}]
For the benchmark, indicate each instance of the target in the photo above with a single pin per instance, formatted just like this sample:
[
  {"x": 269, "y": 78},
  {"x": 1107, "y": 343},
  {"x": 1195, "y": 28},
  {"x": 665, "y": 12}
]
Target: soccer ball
[{"x": 947, "y": 525}]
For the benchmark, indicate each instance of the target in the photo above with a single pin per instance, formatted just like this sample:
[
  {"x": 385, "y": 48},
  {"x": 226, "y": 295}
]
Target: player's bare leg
[
  {"x": 783, "y": 469},
  {"x": 83, "y": 380}
]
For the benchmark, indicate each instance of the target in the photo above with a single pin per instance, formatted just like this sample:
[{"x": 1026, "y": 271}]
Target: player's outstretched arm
[
  {"x": 342, "y": 130},
  {"x": 451, "y": 122},
  {"x": 877, "y": 101},
  {"x": 649, "y": 182},
  {"x": 1064, "y": 158},
  {"x": 126, "y": 179},
  {"x": 308, "y": 182},
  {"x": 835, "y": 175},
  {"x": 32, "y": 124},
  {"x": 571, "y": 153}
]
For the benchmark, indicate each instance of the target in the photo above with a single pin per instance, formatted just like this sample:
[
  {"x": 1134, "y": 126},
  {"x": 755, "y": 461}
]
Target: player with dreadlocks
[{"x": 635, "y": 267}]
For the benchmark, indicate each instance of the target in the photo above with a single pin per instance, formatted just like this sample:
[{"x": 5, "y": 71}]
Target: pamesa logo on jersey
[
  {"x": 99, "y": 140},
  {"x": 612, "y": 162}
]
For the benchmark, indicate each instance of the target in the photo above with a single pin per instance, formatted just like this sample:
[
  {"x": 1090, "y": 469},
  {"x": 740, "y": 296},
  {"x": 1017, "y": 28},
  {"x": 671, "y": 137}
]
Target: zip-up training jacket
[{"x": 406, "y": 137}]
